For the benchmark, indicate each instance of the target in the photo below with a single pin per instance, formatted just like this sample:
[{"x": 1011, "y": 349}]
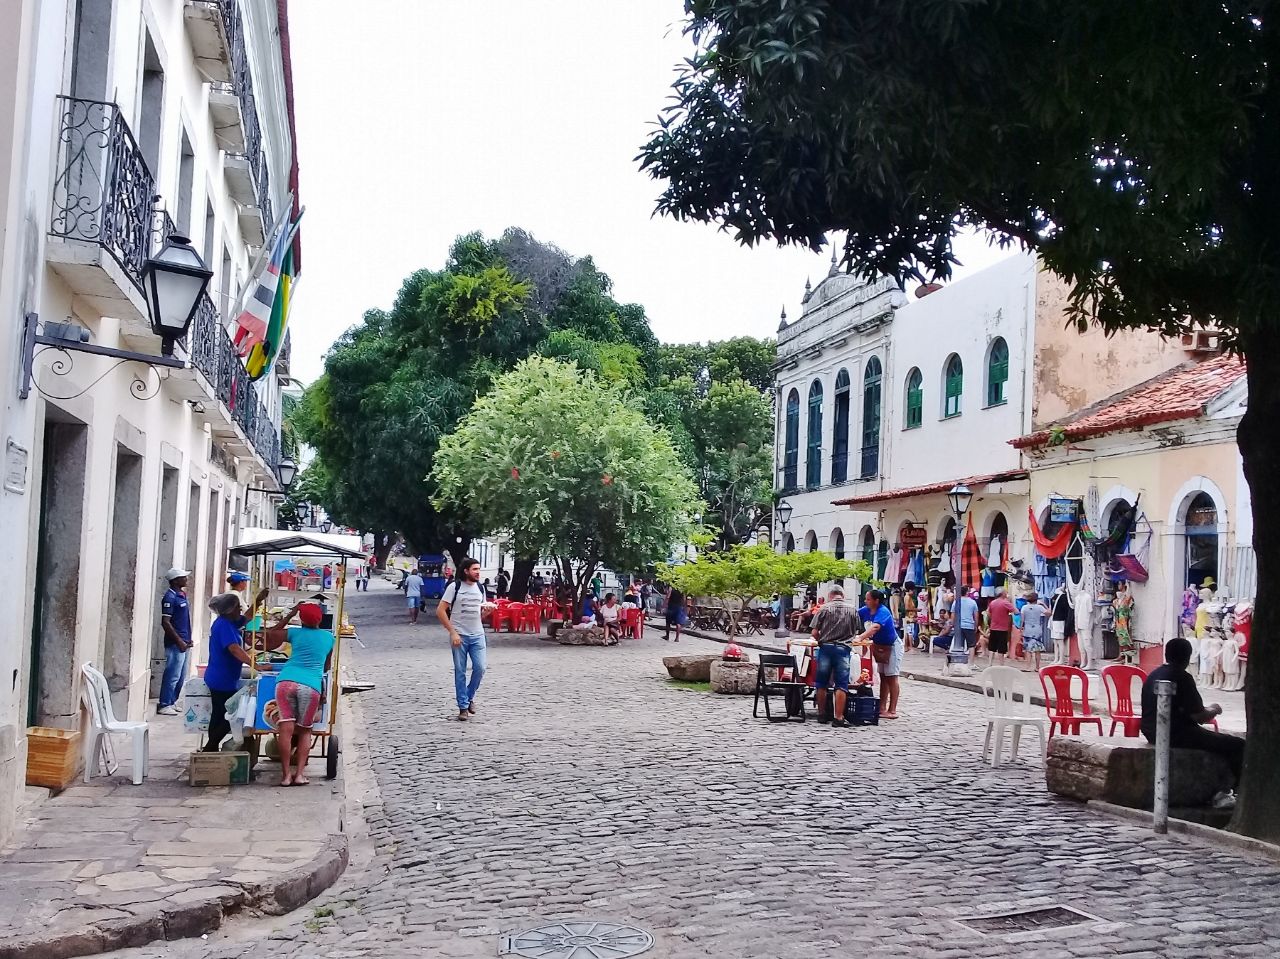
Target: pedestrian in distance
[
  {"x": 459, "y": 613},
  {"x": 1034, "y": 616},
  {"x": 175, "y": 621},
  {"x": 967, "y": 615},
  {"x": 1000, "y": 615},
  {"x": 1188, "y": 714},
  {"x": 413, "y": 591},
  {"x": 835, "y": 627},
  {"x": 676, "y": 615},
  {"x": 878, "y": 622},
  {"x": 504, "y": 583}
]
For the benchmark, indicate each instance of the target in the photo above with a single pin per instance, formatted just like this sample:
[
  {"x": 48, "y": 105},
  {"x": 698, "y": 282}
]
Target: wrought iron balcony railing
[
  {"x": 242, "y": 83},
  {"x": 102, "y": 190}
]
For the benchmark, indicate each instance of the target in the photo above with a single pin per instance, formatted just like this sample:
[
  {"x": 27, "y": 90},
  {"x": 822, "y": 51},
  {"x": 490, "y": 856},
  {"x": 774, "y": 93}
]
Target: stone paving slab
[
  {"x": 590, "y": 787},
  {"x": 108, "y": 863}
]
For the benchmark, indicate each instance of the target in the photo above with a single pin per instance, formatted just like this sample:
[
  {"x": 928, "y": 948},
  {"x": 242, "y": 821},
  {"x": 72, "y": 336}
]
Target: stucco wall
[{"x": 1074, "y": 370}]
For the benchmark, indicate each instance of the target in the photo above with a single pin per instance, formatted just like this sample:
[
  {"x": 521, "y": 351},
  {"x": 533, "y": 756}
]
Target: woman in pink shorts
[{"x": 298, "y": 690}]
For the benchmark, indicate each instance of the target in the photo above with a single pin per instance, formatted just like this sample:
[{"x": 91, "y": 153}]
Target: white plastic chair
[
  {"x": 1002, "y": 684},
  {"x": 103, "y": 723}
]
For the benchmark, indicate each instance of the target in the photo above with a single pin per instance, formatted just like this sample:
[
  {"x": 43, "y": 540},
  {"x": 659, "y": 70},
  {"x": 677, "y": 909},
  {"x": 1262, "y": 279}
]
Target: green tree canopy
[
  {"x": 1133, "y": 145},
  {"x": 570, "y": 468}
]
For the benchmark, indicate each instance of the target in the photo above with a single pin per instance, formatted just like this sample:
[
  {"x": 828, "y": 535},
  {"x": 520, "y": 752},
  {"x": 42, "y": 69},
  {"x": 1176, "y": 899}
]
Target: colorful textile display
[
  {"x": 971, "y": 559},
  {"x": 1046, "y": 547}
]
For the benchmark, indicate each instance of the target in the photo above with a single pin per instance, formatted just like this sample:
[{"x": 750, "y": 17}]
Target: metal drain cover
[
  {"x": 577, "y": 939},
  {"x": 1053, "y": 917}
]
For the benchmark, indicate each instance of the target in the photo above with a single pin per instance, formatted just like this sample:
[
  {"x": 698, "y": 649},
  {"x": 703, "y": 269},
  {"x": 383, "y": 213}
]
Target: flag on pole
[
  {"x": 259, "y": 304},
  {"x": 264, "y": 352}
]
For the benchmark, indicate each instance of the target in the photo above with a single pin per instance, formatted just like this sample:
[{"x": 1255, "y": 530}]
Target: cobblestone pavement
[{"x": 589, "y": 787}]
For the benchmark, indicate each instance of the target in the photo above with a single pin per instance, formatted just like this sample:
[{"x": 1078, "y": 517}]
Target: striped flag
[
  {"x": 255, "y": 318},
  {"x": 263, "y": 353}
]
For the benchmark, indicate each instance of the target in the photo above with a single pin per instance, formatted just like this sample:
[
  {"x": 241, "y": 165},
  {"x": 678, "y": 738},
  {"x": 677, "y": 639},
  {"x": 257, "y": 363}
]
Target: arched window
[
  {"x": 811, "y": 542},
  {"x": 871, "y": 419},
  {"x": 998, "y": 541},
  {"x": 868, "y": 548},
  {"x": 952, "y": 386},
  {"x": 997, "y": 371},
  {"x": 837, "y": 544},
  {"x": 813, "y": 456},
  {"x": 840, "y": 443},
  {"x": 791, "y": 456},
  {"x": 789, "y": 544},
  {"x": 915, "y": 399}
]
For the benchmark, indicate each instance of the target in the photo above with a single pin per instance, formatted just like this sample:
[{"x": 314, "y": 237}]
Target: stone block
[
  {"x": 1122, "y": 771},
  {"x": 591, "y": 636},
  {"x": 733, "y": 678},
  {"x": 691, "y": 669}
]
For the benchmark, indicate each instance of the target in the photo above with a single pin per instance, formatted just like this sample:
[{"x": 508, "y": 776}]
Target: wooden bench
[{"x": 1122, "y": 771}]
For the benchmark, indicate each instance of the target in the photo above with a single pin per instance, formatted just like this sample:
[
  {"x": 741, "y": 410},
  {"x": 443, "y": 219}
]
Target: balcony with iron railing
[
  {"x": 247, "y": 173},
  {"x": 103, "y": 226}
]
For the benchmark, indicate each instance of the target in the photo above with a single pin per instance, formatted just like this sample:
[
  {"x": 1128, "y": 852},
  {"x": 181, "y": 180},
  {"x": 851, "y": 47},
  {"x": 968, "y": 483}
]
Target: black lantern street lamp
[
  {"x": 326, "y": 525},
  {"x": 173, "y": 282},
  {"x": 783, "y": 511},
  {"x": 960, "y": 496},
  {"x": 286, "y": 471}
]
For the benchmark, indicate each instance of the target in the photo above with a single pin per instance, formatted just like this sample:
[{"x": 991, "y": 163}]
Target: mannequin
[
  {"x": 1084, "y": 628},
  {"x": 1202, "y": 633},
  {"x": 1061, "y": 621},
  {"x": 1235, "y": 651},
  {"x": 1123, "y": 607}
]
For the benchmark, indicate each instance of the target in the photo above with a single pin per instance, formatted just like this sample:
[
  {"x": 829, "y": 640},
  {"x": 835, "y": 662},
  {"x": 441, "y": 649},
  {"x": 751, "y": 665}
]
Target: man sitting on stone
[
  {"x": 1188, "y": 713},
  {"x": 835, "y": 624}
]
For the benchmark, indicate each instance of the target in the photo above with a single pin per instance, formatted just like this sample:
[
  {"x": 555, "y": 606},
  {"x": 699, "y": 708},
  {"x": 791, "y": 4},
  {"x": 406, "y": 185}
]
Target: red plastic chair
[
  {"x": 508, "y": 615},
  {"x": 1056, "y": 681},
  {"x": 532, "y": 618},
  {"x": 630, "y": 621},
  {"x": 1118, "y": 681}
]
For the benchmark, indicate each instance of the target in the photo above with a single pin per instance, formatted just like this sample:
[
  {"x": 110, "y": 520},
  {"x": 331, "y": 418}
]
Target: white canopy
[{"x": 255, "y": 541}]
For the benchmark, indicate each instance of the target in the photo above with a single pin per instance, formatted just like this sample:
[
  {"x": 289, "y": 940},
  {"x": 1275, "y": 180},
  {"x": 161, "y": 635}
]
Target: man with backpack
[{"x": 459, "y": 613}]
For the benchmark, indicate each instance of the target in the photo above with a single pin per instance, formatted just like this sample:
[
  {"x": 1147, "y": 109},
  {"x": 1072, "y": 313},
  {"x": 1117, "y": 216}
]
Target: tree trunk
[
  {"x": 521, "y": 573},
  {"x": 1258, "y": 809},
  {"x": 381, "y": 548}
]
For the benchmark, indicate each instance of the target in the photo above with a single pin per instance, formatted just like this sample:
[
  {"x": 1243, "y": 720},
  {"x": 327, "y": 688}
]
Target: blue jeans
[
  {"x": 473, "y": 647},
  {"x": 834, "y": 665},
  {"x": 175, "y": 671}
]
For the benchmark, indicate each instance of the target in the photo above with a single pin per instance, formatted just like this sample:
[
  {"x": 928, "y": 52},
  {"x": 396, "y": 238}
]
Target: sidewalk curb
[
  {"x": 1194, "y": 830},
  {"x": 286, "y": 892}
]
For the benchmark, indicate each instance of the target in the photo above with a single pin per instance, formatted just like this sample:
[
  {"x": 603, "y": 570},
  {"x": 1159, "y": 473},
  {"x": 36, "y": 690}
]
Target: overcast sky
[{"x": 419, "y": 120}]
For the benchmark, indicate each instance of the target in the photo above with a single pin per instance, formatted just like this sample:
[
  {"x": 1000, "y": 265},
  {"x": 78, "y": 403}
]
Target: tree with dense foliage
[
  {"x": 745, "y": 574},
  {"x": 1139, "y": 162},
  {"x": 572, "y": 469},
  {"x": 398, "y": 382}
]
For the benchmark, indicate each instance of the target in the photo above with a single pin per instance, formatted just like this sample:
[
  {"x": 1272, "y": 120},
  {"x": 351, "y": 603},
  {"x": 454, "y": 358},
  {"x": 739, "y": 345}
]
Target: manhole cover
[
  {"x": 578, "y": 939},
  {"x": 1053, "y": 917}
]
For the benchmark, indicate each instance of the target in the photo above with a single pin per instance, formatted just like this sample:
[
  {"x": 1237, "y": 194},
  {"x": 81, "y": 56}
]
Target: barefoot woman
[{"x": 298, "y": 690}]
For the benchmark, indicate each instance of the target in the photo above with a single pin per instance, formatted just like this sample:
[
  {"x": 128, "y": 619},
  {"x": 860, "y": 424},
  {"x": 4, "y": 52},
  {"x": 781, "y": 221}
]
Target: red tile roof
[
  {"x": 867, "y": 499},
  {"x": 1178, "y": 394}
]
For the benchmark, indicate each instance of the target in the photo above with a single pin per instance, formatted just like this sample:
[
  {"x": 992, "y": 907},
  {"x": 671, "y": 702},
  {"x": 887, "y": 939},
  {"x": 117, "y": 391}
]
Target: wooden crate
[{"x": 53, "y": 756}]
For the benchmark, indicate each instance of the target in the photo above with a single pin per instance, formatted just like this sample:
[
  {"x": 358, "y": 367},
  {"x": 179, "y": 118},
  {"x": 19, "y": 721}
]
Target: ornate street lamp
[
  {"x": 173, "y": 281},
  {"x": 783, "y": 511},
  {"x": 286, "y": 471},
  {"x": 960, "y": 497},
  {"x": 326, "y": 526}
]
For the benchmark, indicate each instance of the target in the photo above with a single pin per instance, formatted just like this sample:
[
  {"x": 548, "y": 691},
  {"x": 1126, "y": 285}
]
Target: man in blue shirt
[
  {"x": 967, "y": 608},
  {"x": 175, "y": 621},
  {"x": 882, "y": 632}
]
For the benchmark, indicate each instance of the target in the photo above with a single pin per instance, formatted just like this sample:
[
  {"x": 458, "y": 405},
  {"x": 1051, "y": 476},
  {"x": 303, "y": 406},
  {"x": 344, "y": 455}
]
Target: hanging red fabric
[{"x": 1046, "y": 547}]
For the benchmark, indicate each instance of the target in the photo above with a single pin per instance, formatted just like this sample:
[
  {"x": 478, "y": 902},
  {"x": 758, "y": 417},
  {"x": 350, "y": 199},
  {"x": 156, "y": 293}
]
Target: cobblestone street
[{"x": 587, "y": 787}]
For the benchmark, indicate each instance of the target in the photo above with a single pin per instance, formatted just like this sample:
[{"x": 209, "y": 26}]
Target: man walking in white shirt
[{"x": 459, "y": 613}]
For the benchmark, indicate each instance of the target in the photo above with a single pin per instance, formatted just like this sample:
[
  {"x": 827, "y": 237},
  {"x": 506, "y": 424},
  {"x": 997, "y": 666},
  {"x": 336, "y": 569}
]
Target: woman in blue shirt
[
  {"x": 880, "y": 628},
  {"x": 226, "y": 656}
]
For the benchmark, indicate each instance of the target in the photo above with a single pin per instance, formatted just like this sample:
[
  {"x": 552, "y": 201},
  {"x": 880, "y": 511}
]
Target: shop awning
[
  {"x": 973, "y": 482},
  {"x": 263, "y": 542}
]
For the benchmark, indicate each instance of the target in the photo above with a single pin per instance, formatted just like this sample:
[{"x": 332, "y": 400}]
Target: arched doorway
[
  {"x": 1200, "y": 554},
  {"x": 837, "y": 547}
]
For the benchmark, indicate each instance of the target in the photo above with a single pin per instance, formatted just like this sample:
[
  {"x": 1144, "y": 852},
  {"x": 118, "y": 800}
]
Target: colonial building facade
[
  {"x": 885, "y": 402},
  {"x": 122, "y": 122}
]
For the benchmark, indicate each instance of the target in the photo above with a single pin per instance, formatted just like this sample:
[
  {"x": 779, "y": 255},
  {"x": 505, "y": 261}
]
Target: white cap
[{"x": 174, "y": 573}]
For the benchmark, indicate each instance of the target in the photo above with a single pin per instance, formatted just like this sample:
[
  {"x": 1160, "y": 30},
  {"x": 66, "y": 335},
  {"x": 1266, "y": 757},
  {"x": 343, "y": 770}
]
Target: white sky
[{"x": 419, "y": 120}]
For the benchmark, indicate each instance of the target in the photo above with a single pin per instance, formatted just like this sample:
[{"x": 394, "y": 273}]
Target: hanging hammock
[
  {"x": 1046, "y": 547},
  {"x": 1133, "y": 566}
]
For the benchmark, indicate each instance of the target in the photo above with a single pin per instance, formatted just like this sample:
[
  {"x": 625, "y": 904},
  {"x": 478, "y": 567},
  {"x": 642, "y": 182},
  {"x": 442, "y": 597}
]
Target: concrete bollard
[{"x": 1164, "y": 710}]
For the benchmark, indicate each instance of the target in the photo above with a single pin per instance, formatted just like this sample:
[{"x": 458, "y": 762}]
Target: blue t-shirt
[
  {"x": 310, "y": 649},
  {"x": 175, "y": 606},
  {"x": 968, "y": 613},
  {"x": 223, "y": 672},
  {"x": 588, "y": 607},
  {"x": 887, "y": 635}
]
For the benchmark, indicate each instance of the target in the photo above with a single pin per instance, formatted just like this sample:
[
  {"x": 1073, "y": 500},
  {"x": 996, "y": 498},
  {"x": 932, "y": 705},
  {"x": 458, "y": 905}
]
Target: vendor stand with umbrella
[{"x": 266, "y": 550}]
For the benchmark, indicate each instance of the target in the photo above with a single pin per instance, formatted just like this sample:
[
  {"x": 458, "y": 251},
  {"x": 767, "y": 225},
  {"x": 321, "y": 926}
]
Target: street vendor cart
[{"x": 274, "y": 558}]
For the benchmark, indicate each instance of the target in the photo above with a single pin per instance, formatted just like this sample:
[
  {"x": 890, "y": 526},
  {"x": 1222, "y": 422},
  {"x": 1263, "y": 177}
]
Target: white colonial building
[
  {"x": 121, "y": 122},
  {"x": 886, "y": 401}
]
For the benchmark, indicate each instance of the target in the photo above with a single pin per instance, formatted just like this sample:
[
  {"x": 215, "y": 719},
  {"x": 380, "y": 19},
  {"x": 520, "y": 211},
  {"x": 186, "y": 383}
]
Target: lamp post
[
  {"x": 286, "y": 473},
  {"x": 960, "y": 497},
  {"x": 326, "y": 525},
  {"x": 783, "y": 512}
]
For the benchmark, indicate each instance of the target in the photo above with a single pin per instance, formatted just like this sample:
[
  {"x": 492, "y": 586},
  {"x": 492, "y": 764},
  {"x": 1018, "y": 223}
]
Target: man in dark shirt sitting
[{"x": 1187, "y": 710}]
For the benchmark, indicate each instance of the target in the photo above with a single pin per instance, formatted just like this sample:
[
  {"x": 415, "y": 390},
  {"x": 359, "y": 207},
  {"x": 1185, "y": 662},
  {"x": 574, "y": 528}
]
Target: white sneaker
[{"x": 170, "y": 711}]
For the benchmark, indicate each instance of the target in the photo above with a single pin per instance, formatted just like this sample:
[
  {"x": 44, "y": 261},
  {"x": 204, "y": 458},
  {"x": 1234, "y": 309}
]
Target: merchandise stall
[{"x": 296, "y": 567}]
